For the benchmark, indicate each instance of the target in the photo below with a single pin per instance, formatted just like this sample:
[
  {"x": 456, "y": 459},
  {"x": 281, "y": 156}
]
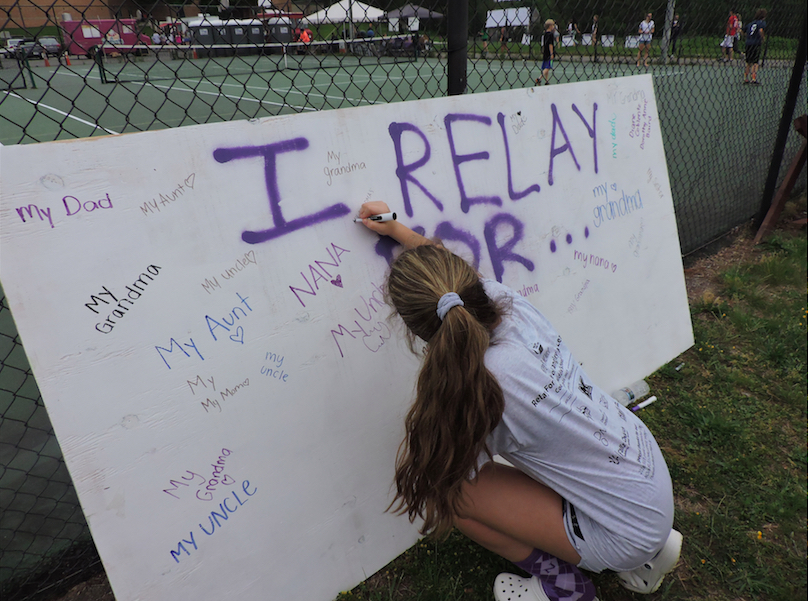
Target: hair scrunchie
[{"x": 447, "y": 301}]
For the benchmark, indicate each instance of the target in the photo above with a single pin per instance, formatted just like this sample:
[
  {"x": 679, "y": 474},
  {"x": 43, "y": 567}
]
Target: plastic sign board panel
[{"x": 206, "y": 321}]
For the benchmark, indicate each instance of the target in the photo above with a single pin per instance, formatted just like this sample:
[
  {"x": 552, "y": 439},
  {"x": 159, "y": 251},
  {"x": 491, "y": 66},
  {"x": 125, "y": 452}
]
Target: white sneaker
[
  {"x": 510, "y": 587},
  {"x": 647, "y": 578}
]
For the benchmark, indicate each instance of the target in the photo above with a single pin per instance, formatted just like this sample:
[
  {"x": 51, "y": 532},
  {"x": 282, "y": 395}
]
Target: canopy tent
[
  {"x": 413, "y": 10},
  {"x": 508, "y": 17},
  {"x": 339, "y": 13}
]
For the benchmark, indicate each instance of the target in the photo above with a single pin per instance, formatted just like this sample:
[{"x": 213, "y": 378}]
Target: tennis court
[{"x": 73, "y": 101}]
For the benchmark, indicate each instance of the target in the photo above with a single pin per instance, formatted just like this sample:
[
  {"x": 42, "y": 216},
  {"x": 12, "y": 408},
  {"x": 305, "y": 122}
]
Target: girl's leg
[
  {"x": 522, "y": 513},
  {"x": 520, "y": 519}
]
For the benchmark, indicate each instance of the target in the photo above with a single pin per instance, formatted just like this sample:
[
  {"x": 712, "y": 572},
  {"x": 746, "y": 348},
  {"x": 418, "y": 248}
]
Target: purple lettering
[
  {"x": 459, "y": 159},
  {"x": 67, "y": 208},
  {"x": 385, "y": 246},
  {"x": 446, "y": 231},
  {"x": 513, "y": 194},
  {"x": 592, "y": 130},
  {"x": 309, "y": 291},
  {"x": 561, "y": 149},
  {"x": 281, "y": 227},
  {"x": 500, "y": 254},
  {"x": 404, "y": 172},
  {"x": 316, "y": 275}
]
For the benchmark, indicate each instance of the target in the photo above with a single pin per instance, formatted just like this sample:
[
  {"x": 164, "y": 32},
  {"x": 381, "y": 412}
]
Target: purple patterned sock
[{"x": 560, "y": 580}]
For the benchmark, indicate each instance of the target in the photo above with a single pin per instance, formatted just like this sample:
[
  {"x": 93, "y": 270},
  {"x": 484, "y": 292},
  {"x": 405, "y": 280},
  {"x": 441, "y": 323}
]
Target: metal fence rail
[{"x": 126, "y": 67}]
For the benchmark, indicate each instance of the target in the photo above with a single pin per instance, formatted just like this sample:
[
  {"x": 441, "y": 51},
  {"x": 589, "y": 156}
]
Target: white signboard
[
  {"x": 508, "y": 17},
  {"x": 206, "y": 323}
]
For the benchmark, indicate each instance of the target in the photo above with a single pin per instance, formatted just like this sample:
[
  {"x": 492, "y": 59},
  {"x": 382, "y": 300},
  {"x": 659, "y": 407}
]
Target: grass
[{"x": 731, "y": 422}]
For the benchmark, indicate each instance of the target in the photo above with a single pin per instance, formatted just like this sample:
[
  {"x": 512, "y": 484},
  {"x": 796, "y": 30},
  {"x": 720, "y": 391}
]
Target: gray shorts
[{"x": 601, "y": 549}]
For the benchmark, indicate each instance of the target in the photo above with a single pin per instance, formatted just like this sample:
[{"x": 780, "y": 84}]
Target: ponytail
[{"x": 458, "y": 401}]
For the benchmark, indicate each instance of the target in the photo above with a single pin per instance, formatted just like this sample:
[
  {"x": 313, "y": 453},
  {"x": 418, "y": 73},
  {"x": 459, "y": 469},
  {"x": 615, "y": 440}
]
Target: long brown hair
[{"x": 458, "y": 401}]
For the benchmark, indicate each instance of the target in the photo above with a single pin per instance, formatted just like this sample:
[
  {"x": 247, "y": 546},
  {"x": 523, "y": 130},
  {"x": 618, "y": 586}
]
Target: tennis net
[{"x": 137, "y": 63}]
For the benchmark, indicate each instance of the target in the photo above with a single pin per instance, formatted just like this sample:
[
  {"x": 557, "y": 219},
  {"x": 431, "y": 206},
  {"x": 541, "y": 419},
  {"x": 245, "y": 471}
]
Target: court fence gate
[{"x": 78, "y": 68}]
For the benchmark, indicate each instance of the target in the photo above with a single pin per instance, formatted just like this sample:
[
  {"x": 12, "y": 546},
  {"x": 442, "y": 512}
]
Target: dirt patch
[
  {"x": 96, "y": 588},
  {"x": 703, "y": 266}
]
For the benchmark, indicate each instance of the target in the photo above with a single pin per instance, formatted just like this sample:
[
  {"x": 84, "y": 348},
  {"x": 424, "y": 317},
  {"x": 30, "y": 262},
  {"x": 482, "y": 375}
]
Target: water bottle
[{"x": 632, "y": 393}]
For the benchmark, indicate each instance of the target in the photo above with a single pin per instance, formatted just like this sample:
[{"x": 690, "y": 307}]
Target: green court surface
[{"x": 73, "y": 101}]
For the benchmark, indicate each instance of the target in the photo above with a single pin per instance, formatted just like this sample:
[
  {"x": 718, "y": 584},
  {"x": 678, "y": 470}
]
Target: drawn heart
[
  {"x": 337, "y": 281},
  {"x": 614, "y": 187},
  {"x": 227, "y": 480},
  {"x": 189, "y": 181},
  {"x": 238, "y": 336}
]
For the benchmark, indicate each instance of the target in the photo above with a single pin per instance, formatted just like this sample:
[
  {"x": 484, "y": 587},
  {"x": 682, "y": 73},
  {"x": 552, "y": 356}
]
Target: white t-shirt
[
  {"x": 565, "y": 432},
  {"x": 646, "y": 28}
]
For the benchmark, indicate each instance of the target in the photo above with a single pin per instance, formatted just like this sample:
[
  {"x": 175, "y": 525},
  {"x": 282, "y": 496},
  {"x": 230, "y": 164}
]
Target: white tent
[{"x": 339, "y": 13}]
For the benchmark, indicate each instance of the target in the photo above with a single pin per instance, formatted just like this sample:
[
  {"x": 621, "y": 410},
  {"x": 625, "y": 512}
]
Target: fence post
[
  {"x": 458, "y": 34},
  {"x": 666, "y": 35},
  {"x": 785, "y": 125}
]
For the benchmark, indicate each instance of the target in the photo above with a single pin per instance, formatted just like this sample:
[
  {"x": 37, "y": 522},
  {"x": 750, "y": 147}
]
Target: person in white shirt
[
  {"x": 646, "y": 31},
  {"x": 590, "y": 487}
]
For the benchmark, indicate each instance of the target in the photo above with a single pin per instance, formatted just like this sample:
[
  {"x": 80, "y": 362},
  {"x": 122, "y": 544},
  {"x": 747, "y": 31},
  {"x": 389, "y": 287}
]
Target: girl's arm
[{"x": 395, "y": 229}]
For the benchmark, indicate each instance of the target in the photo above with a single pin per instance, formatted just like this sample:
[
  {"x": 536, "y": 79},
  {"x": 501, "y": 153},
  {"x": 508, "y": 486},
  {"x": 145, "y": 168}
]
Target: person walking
[
  {"x": 503, "y": 38},
  {"x": 646, "y": 31},
  {"x": 573, "y": 31},
  {"x": 755, "y": 36},
  {"x": 593, "y": 31},
  {"x": 548, "y": 51},
  {"x": 730, "y": 31},
  {"x": 590, "y": 488}
]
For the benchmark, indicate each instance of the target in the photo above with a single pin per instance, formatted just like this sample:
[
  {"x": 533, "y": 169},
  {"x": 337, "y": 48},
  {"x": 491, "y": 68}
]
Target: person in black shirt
[
  {"x": 676, "y": 29},
  {"x": 548, "y": 49},
  {"x": 593, "y": 30}
]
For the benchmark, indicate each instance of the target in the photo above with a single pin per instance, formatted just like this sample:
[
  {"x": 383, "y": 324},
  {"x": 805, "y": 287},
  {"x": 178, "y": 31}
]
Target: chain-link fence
[{"x": 78, "y": 68}]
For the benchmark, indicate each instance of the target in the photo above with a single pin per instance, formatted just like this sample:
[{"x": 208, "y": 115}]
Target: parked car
[
  {"x": 52, "y": 46},
  {"x": 29, "y": 49},
  {"x": 11, "y": 46}
]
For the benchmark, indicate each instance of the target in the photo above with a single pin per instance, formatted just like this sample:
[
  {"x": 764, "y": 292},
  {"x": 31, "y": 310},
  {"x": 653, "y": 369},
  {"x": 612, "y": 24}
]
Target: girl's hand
[
  {"x": 395, "y": 229},
  {"x": 376, "y": 207}
]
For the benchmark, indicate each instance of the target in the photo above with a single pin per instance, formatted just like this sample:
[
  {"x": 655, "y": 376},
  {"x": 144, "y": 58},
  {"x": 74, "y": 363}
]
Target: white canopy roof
[{"x": 338, "y": 13}]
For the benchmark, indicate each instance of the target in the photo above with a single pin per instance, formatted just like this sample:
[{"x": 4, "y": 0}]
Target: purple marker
[{"x": 644, "y": 404}]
